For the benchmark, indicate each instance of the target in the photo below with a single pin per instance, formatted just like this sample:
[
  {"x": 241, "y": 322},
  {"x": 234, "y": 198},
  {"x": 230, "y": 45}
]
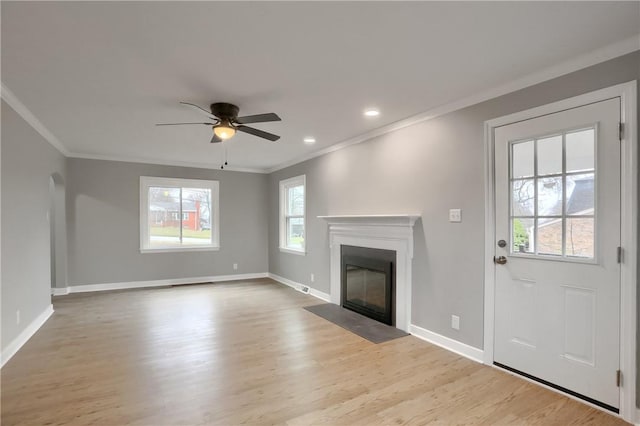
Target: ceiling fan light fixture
[{"x": 224, "y": 130}]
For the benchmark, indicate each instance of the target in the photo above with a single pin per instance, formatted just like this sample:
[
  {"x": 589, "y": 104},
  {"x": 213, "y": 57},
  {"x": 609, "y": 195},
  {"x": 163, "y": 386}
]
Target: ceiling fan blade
[
  {"x": 258, "y": 118},
  {"x": 215, "y": 139},
  {"x": 180, "y": 124},
  {"x": 199, "y": 108},
  {"x": 259, "y": 133}
]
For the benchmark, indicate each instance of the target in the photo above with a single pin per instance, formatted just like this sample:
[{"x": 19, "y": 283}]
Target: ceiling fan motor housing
[{"x": 224, "y": 110}]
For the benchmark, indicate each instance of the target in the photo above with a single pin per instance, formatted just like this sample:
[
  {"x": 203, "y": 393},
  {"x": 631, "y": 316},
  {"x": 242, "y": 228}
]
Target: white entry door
[{"x": 557, "y": 293}]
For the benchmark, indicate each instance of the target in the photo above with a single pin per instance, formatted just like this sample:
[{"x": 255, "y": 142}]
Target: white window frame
[
  {"x": 147, "y": 181},
  {"x": 284, "y": 187}
]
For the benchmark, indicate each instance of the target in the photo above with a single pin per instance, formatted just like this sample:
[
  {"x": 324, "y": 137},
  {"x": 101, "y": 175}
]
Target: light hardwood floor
[{"x": 247, "y": 353}]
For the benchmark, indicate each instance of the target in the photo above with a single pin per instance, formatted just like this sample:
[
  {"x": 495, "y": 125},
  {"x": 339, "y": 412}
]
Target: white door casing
[{"x": 570, "y": 290}]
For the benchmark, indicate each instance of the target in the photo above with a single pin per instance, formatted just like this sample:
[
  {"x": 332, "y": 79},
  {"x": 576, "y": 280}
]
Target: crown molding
[
  {"x": 594, "y": 57},
  {"x": 24, "y": 112},
  {"x": 158, "y": 162}
]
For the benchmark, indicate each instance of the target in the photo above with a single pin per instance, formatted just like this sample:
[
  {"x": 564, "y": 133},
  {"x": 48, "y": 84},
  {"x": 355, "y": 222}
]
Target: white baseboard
[
  {"x": 59, "y": 291},
  {"x": 25, "y": 335},
  {"x": 155, "y": 283},
  {"x": 447, "y": 343},
  {"x": 297, "y": 286},
  {"x": 637, "y": 416},
  {"x": 320, "y": 294}
]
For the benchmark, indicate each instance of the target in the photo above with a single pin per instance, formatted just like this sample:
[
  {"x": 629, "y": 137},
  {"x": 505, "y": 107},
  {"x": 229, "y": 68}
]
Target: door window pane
[
  {"x": 522, "y": 235},
  {"x": 580, "y": 237},
  {"x": 550, "y": 236},
  {"x": 581, "y": 194},
  {"x": 550, "y": 155},
  {"x": 522, "y": 159},
  {"x": 580, "y": 147},
  {"x": 550, "y": 196},
  {"x": 522, "y": 197}
]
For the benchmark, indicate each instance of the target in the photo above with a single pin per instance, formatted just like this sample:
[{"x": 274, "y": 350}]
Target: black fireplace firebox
[{"x": 368, "y": 282}]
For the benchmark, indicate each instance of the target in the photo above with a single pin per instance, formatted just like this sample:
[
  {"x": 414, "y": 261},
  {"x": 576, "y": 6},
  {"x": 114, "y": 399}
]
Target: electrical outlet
[
  {"x": 18, "y": 317},
  {"x": 455, "y": 215},
  {"x": 455, "y": 322},
  {"x": 235, "y": 266},
  {"x": 312, "y": 278}
]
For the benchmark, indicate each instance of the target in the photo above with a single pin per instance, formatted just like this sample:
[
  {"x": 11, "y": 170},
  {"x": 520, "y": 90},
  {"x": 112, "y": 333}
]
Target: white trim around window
[
  {"x": 286, "y": 244},
  {"x": 182, "y": 243}
]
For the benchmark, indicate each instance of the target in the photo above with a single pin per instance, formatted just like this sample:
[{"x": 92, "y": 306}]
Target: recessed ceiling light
[
  {"x": 309, "y": 140},
  {"x": 371, "y": 112}
]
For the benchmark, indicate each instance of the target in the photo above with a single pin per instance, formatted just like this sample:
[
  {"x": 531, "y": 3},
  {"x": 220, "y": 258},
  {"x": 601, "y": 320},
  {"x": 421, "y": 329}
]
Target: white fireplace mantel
[{"x": 388, "y": 232}]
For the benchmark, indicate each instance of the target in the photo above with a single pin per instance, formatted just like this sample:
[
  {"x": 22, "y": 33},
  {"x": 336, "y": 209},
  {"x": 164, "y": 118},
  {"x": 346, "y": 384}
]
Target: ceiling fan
[{"x": 225, "y": 122}]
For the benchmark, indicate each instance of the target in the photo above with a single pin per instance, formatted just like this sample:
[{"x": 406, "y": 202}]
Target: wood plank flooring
[{"x": 247, "y": 353}]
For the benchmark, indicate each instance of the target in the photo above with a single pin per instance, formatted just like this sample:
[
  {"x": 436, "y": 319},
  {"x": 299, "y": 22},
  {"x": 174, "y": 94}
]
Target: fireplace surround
[{"x": 388, "y": 232}]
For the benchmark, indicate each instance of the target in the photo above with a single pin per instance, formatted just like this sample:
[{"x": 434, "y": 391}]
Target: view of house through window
[
  {"x": 553, "y": 195},
  {"x": 292, "y": 214},
  {"x": 179, "y": 216}
]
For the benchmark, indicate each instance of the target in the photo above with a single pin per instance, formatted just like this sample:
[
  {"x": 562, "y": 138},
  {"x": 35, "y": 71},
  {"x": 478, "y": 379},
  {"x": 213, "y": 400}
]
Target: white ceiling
[{"x": 99, "y": 75}]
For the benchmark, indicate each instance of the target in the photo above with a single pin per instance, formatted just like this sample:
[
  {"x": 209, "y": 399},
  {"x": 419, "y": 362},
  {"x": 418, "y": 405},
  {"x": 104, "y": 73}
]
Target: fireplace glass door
[{"x": 367, "y": 286}]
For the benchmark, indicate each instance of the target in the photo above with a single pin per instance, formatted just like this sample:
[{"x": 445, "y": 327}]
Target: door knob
[{"x": 500, "y": 260}]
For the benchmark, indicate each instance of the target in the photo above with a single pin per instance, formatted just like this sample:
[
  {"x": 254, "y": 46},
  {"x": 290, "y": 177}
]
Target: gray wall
[
  {"x": 103, "y": 224},
  {"x": 427, "y": 169},
  {"x": 28, "y": 162}
]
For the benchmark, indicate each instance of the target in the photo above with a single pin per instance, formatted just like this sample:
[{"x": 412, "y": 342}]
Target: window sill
[
  {"x": 178, "y": 249},
  {"x": 293, "y": 251}
]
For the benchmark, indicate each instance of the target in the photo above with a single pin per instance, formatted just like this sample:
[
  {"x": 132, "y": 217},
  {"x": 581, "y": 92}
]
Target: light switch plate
[{"x": 455, "y": 215}]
